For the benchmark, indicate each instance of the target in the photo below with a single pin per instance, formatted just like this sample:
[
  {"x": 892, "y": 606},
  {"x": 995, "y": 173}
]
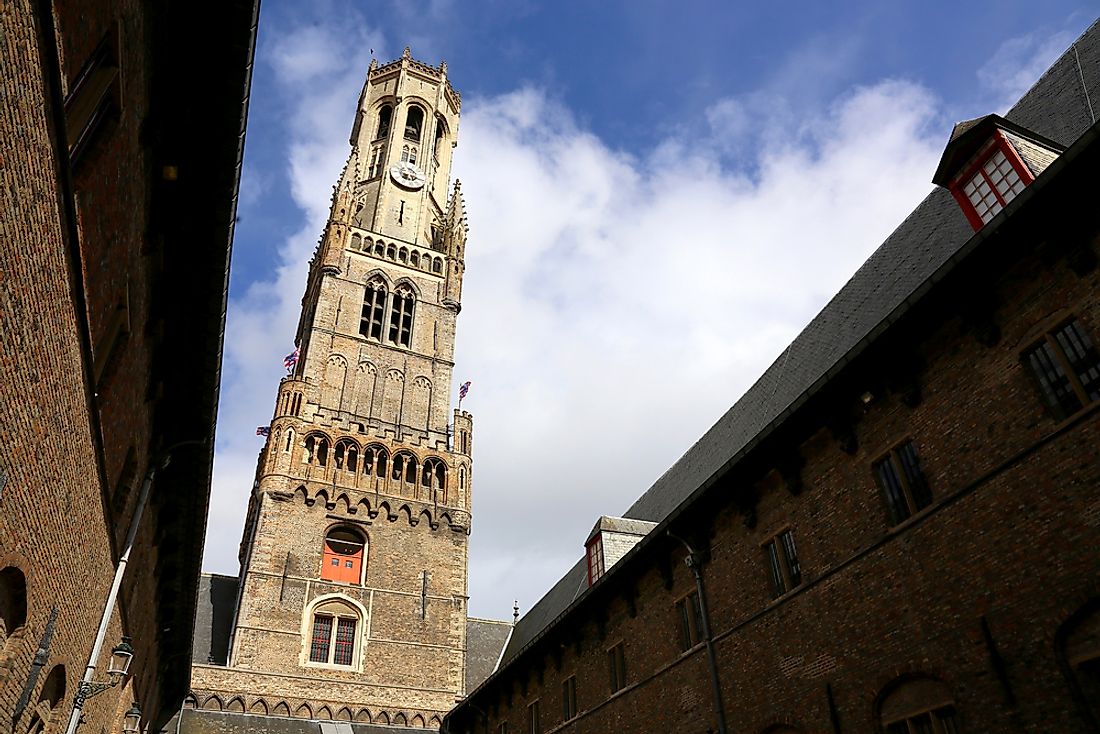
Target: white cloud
[
  {"x": 1018, "y": 62},
  {"x": 615, "y": 304}
]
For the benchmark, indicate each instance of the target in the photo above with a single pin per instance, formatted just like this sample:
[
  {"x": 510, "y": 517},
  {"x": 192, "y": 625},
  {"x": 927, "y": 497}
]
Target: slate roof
[
  {"x": 217, "y": 597},
  {"x": 485, "y": 639},
  {"x": 197, "y": 721},
  {"x": 1056, "y": 107}
]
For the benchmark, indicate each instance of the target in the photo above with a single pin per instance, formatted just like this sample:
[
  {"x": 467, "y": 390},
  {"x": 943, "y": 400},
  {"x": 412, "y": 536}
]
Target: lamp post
[
  {"x": 119, "y": 667},
  {"x": 131, "y": 724}
]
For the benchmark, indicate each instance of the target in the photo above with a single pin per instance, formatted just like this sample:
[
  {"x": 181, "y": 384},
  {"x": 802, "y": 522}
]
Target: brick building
[
  {"x": 350, "y": 608},
  {"x": 119, "y": 165},
  {"x": 896, "y": 528}
]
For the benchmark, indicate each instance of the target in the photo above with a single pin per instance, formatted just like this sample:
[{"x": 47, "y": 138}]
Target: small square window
[
  {"x": 902, "y": 482},
  {"x": 335, "y": 561},
  {"x": 348, "y": 564}
]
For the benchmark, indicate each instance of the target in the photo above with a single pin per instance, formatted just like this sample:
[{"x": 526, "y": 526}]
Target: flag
[
  {"x": 263, "y": 430},
  {"x": 463, "y": 389},
  {"x": 290, "y": 360}
]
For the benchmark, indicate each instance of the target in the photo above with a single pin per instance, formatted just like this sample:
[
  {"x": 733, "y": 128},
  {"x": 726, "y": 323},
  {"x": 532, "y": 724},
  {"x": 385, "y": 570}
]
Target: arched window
[
  {"x": 356, "y": 241},
  {"x": 437, "y": 266},
  {"x": 391, "y": 252},
  {"x": 412, "y": 155},
  {"x": 289, "y": 440},
  {"x": 374, "y": 308},
  {"x": 917, "y": 704},
  {"x": 437, "y": 149},
  {"x": 346, "y": 456},
  {"x": 403, "y": 254},
  {"x": 45, "y": 713},
  {"x": 404, "y": 468},
  {"x": 316, "y": 451},
  {"x": 404, "y": 153},
  {"x": 384, "y": 116},
  {"x": 334, "y": 633},
  {"x": 401, "y": 316},
  {"x": 374, "y": 461},
  {"x": 414, "y": 259},
  {"x": 462, "y": 478},
  {"x": 434, "y": 478},
  {"x": 414, "y": 122},
  {"x": 379, "y": 249},
  {"x": 342, "y": 559},
  {"x": 13, "y": 615}
]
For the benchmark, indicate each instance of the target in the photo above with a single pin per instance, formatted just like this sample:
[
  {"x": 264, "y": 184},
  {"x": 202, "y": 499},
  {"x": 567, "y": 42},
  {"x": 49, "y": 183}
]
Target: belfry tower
[{"x": 352, "y": 595}]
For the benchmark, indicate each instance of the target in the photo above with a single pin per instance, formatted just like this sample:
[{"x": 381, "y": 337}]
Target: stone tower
[{"x": 352, "y": 594}]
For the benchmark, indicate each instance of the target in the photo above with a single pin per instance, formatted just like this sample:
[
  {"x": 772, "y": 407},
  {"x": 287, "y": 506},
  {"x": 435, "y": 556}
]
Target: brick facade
[
  {"x": 362, "y": 444},
  {"x": 86, "y": 404},
  {"x": 982, "y": 608}
]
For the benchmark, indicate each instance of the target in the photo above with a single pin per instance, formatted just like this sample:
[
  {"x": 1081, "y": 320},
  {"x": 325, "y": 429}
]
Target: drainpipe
[
  {"x": 692, "y": 562},
  {"x": 108, "y": 608}
]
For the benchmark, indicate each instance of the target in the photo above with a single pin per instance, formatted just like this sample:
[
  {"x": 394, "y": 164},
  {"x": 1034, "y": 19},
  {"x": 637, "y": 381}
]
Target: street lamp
[
  {"x": 132, "y": 723},
  {"x": 121, "y": 656}
]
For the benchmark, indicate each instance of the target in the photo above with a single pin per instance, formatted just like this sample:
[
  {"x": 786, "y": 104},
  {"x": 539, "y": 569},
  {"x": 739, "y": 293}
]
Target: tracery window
[
  {"x": 434, "y": 478},
  {"x": 401, "y": 316},
  {"x": 374, "y": 461},
  {"x": 374, "y": 308},
  {"x": 346, "y": 456},
  {"x": 316, "y": 451},
  {"x": 404, "y": 469}
]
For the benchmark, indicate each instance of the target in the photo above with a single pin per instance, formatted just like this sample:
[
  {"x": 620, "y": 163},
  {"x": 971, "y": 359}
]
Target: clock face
[{"x": 407, "y": 175}]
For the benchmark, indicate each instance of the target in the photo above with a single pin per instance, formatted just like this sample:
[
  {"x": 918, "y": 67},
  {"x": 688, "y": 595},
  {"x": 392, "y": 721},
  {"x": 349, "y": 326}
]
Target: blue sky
[{"x": 741, "y": 158}]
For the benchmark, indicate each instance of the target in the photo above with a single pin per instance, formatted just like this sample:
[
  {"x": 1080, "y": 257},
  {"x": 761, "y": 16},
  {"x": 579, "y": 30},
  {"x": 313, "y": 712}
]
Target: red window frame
[
  {"x": 595, "y": 559},
  {"x": 998, "y": 142}
]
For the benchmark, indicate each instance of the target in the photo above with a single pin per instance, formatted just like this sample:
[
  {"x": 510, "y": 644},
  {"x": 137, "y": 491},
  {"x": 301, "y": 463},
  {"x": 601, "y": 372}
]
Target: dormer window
[
  {"x": 610, "y": 540},
  {"x": 988, "y": 162},
  {"x": 595, "y": 559}
]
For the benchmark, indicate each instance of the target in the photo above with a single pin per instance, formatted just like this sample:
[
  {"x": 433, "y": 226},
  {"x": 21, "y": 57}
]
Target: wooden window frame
[
  {"x": 569, "y": 698},
  {"x": 1050, "y": 345},
  {"x": 937, "y": 716},
  {"x": 338, "y": 620},
  {"x": 689, "y": 616},
  {"x": 895, "y": 459},
  {"x": 533, "y": 724},
  {"x": 781, "y": 558},
  {"x": 998, "y": 142},
  {"x": 616, "y": 665},
  {"x": 594, "y": 559},
  {"x": 95, "y": 97}
]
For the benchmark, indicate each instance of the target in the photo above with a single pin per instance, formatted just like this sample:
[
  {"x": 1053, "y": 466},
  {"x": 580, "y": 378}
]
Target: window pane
[
  {"x": 1053, "y": 383},
  {"x": 891, "y": 486},
  {"x": 921, "y": 724},
  {"x": 685, "y": 624},
  {"x": 946, "y": 719},
  {"x": 696, "y": 617},
  {"x": 345, "y": 641},
  {"x": 918, "y": 487},
  {"x": 778, "y": 585},
  {"x": 322, "y": 634},
  {"x": 793, "y": 567},
  {"x": 1082, "y": 356}
]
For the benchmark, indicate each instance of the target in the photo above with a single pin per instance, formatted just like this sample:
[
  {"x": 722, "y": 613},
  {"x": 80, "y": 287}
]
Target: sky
[{"x": 660, "y": 196}]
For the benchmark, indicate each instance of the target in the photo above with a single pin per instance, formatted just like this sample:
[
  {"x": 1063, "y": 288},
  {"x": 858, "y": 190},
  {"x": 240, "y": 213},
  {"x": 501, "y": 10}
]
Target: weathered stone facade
[{"x": 360, "y": 446}]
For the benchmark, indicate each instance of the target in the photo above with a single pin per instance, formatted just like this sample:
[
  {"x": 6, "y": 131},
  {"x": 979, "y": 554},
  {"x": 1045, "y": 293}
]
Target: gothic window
[
  {"x": 434, "y": 478},
  {"x": 384, "y": 116},
  {"x": 414, "y": 259},
  {"x": 346, "y": 456},
  {"x": 404, "y": 469},
  {"x": 401, "y": 316},
  {"x": 918, "y": 704},
  {"x": 356, "y": 242},
  {"x": 334, "y": 633},
  {"x": 414, "y": 122},
  {"x": 412, "y": 155},
  {"x": 1066, "y": 368},
  {"x": 316, "y": 451},
  {"x": 403, "y": 254},
  {"x": 379, "y": 249},
  {"x": 374, "y": 308},
  {"x": 437, "y": 266},
  {"x": 439, "y": 137},
  {"x": 404, "y": 153},
  {"x": 902, "y": 481},
  {"x": 462, "y": 478},
  {"x": 342, "y": 559},
  {"x": 289, "y": 440},
  {"x": 391, "y": 252},
  {"x": 374, "y": 461}
]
